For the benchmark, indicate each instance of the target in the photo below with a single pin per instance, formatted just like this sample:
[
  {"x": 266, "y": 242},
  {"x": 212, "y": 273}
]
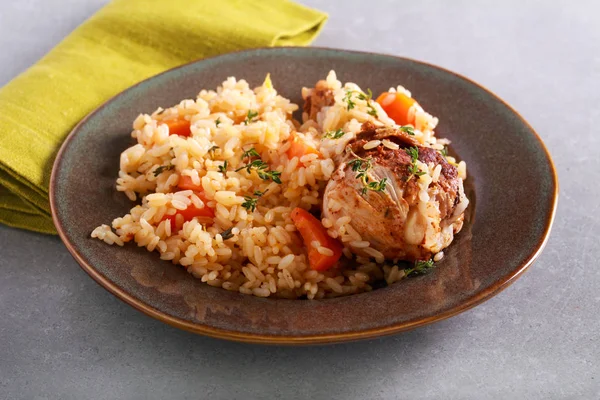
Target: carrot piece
[
  {"x": 179, "y": 127},
  {"x": 186, "y": 183},
  {"x": 311, "y": 230},
  {"x": 205, "y": 214},
  {"x": 397, "y": 107},
  {"x": 192, "y": 211},
  {"x": 300, "y": 148}
]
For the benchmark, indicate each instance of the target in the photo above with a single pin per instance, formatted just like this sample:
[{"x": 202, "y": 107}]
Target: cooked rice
[
  {"x": 390, "y": 145},
  {"x": 371, "y": 144},
  {"x": 257, "y": 252},
  {"x": 438, "y": 256}
]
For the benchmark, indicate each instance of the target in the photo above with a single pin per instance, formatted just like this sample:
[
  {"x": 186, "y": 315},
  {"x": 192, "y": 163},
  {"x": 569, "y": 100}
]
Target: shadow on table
[
  {"x": 71, "y": 322},
  {"x": 124, "y": 337}
]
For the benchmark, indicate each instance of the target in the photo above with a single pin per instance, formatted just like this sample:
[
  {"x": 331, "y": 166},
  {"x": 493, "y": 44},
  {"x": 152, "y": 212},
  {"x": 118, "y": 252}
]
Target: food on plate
[
  {"x": 394, "y": 201},
  {"x": 244, "y": 197}
]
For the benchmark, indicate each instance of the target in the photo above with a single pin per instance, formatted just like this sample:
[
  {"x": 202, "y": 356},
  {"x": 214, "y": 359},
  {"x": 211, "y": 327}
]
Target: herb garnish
[
  {"x": 334, "y": 134},
  {"x": 262, "y": 169},
  {"x": 376, "y": 186},
  {"x": 217, "y": 122},
  {"x": 250, "y": 153},
  {"x": 250, "y": 202},
  {"x": 421, "y": 267},
  {"x": 413, "y": 168},
  {"x": 371, "y": 110},
  {"x": 223, "y": 168},
  {"x": 258, "y": 164},
  {"x": 268, "y": 174},
  {"x": 362, "y": 166},
  {"x": 408, "y": 129},
  {"x": 348, "y": 99},
  {"x": 413, "y": 152},
  {"x": 250, "y": 116},
  {"x": 162, "y": 169},
  {"x": 226, "y": 234},
  {"x": 444, "y": 151},
  {"x": 367, "y": 97}
]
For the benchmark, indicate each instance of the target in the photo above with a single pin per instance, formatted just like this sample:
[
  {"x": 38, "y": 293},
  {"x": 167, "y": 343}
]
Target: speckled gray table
[{"x": 64, "y": 337}]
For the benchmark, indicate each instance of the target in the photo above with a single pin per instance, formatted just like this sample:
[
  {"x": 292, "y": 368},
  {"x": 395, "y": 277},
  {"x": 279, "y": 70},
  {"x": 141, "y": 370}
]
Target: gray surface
[{"x": 64, "y": 337}]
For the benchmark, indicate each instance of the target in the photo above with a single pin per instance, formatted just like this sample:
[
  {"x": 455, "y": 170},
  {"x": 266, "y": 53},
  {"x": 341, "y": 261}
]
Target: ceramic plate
[{"x": 512, "y": 187}]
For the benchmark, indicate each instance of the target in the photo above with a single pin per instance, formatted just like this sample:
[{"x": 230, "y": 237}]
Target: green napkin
[{"x": 125, "y": 42}]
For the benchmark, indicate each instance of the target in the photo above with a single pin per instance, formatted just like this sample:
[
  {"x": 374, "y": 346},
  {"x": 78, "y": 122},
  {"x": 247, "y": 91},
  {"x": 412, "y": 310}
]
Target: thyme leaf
[
  {"x": 223, "y": 168},
  {"x": 408, "y": 129},
  {"x": 251, "y": 202},
  {"x": 334, "y": 134},
  {"x": 421, "y": 267},
  {"x": 250, "y": 116},
  {"x": 226, "y": 234},
  {"x": 162, "y": 169}
]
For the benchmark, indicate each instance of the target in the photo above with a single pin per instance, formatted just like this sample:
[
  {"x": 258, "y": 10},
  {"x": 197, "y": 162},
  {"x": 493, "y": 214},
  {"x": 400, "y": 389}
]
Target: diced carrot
[
  {"x": 179, "y": 126},
  {"x": 300, "y": 148},
  {"x": 397, "y": 107},
  {"x": 192, "y": 211},
  {"x": 205, "y": 214},
  {"x": 311, "y": 230},
  {"x": 186, "y": 183}
]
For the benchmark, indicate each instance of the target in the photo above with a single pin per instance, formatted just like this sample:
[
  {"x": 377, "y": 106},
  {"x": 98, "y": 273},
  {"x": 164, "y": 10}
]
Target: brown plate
[{"x": 512, "y": 179}]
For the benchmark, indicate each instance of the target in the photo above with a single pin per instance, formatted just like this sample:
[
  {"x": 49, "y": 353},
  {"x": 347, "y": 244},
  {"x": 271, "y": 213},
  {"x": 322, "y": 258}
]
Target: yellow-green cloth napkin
[{"x": 125, "y": 42}]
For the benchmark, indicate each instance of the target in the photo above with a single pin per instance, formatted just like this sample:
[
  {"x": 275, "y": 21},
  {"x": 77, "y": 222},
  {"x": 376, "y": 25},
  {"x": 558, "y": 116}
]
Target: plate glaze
[{"x": 512, "y": 184}]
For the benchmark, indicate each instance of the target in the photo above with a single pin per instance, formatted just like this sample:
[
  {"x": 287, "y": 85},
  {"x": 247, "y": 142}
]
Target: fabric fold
[{"x": 125, "y": 42}]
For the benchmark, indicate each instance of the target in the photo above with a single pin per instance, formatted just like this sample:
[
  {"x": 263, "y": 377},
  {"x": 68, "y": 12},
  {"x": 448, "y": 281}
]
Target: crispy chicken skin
[{"x": 397, "y": 221}]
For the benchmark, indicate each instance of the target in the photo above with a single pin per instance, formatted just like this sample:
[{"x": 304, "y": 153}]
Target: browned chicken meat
[
  {"x": 317, "y": 98},
  {"x": 403, "y": 198}
]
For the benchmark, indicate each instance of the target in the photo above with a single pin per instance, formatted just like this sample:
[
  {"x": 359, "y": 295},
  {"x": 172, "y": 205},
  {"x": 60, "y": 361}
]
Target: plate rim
[{"x": 287, "y": 339}]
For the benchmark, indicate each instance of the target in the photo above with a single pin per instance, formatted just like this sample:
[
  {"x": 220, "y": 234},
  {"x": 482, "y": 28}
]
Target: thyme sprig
[
  {"x": 251, "y": 202},
  {"x": 420, "y": 267},
  {"x": 362, "y": 166},
  {"x": 162, "y": 169}
]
